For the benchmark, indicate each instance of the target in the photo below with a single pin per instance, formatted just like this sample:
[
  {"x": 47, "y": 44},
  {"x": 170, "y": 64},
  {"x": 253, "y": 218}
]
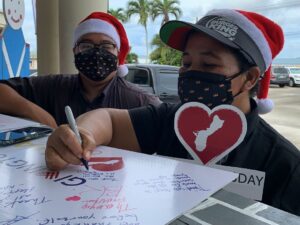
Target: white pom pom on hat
[
  {"x": 100, "y": 22},
  {"x": 259, "y": 38}
]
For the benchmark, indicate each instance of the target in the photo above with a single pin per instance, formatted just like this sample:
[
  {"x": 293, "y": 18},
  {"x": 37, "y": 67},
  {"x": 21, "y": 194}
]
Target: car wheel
[
  {"x": 291, "y": 83},
  {"x": 281, "y": 85}
]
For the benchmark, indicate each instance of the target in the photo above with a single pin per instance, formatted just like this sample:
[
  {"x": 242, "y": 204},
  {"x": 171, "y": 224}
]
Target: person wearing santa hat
[
  {"x": 227, "y": 51},
  {"x": 100, "y": 47}
]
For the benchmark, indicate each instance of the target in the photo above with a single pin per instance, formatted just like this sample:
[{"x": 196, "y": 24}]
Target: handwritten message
[
  {"x": 176, "y": 182},
  {"x": 17, "y": 219},
  {"x": 121, "y": 219},
  {"x": 120, "y": 188},
  {"x": 103, "y": 176},
  {"x": 13, "y": 195}
]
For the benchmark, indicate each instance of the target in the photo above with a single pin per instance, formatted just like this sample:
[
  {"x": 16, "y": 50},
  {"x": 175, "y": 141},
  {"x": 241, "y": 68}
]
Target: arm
[
  {"x": 110, "y": 127},
  {"x": 14, "y": 104}
]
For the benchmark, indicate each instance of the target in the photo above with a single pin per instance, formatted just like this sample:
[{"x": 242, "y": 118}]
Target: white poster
[{"x": 120, "y": 188}]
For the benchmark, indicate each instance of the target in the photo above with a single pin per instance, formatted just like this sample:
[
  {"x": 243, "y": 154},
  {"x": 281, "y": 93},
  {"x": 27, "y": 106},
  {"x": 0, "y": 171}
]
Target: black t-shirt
[
  {"x": 54, "y": 92},
  {"x": 263, "y": 149}
]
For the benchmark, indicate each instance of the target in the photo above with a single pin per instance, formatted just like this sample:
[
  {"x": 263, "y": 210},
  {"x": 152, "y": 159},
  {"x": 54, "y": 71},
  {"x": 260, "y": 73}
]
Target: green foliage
[
  {"x": 162, "y": 54},
  {"x": 119, "y": 13},
  {"x": 152, "y": 9},
  {"x": 132, "y": 58},
  {"x": 141, "y": 9},
  {"x": 165, "y": 8}
]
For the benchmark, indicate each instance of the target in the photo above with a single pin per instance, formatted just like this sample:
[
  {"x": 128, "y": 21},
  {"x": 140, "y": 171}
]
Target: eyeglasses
[{"x": 85, "y": 46}]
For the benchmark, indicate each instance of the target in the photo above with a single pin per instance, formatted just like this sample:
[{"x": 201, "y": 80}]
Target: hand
[
  {"x": 40, "y": 115},
  {"x": 63, "y": 147},
  {"x": 47, "y": 120}
]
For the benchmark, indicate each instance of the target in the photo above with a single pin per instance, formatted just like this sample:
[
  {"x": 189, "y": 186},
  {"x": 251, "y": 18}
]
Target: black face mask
[
  {"x": 210, "y": 89},
  {"x": 96, "y": 63}
]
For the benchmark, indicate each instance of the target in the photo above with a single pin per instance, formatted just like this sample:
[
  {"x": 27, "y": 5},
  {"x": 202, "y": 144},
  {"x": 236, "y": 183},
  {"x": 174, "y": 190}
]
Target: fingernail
[{"x": 87, "y": 155}]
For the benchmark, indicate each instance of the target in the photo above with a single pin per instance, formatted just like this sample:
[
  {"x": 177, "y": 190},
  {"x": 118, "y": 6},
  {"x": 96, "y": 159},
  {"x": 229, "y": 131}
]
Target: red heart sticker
[
  {"x": 208, "y": 135},
  {"x": 73, "y": 198},
  {"x": 106, "y": 163}
]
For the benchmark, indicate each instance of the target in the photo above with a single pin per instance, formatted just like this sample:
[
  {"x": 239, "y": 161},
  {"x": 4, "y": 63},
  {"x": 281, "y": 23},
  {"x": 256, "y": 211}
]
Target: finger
[
  {"x": 88, "y": 144},
  {"x": 56, "y": 142},
  {"x": 69, "y": 139},
  {"x": 53, "y": 160},
  {"x": 66, "y": 154}
]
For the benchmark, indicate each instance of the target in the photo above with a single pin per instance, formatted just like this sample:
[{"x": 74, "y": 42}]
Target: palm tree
[
  {"x": 141, "y": 9},
  {"x": 156, "y": 54},
  {"x": 165, "y": 8},
  {"x": 163, "y": 54},
  {"x": 119, "y": 13}
]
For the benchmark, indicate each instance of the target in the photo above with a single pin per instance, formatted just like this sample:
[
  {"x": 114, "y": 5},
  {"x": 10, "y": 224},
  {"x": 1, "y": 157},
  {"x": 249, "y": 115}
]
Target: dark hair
[{"x": 244, "y": 65}]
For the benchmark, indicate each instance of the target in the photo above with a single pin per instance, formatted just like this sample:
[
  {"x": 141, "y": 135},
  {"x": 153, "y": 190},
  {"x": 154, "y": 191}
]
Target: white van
[{"x": 294, "y": 74}]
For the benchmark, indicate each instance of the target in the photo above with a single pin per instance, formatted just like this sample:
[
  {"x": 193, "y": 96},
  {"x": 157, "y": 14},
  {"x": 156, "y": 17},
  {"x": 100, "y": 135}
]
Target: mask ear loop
[{"x": 235, "y": 76}]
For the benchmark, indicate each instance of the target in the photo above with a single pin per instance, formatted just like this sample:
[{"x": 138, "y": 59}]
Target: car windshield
[{"x": 281, "y": 70}]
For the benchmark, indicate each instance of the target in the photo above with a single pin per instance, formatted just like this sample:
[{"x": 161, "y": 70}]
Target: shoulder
[
  {"x": 55, "y": 79},
  {"x": 163, "y": 111}
]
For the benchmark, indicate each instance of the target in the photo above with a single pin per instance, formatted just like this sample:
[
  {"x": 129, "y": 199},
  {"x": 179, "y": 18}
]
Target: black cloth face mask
[
  {"x": 96, "y": 63},
  {"x": 211, "y": 89}
]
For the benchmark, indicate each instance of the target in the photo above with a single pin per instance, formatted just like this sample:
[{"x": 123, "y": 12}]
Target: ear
[{"x": 252, "y": 77}]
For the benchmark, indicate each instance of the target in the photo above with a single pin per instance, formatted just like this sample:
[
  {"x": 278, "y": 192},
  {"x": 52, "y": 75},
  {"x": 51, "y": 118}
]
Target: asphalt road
[{"x": 285, "y": 117}]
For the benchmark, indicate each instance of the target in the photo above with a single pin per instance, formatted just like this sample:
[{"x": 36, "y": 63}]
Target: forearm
[
  {"x": 99, "y": 124},
  {"x": 110, "y": 127},
  {"x": 14, "y": 104}
]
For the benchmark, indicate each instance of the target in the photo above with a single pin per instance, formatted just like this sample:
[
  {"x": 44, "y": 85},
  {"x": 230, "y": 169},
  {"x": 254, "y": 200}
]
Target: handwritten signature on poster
[{"x": 13, "y": 195}]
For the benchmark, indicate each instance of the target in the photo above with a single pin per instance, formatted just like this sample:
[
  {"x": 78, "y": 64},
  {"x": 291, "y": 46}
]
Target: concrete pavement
[{"x": 285, "y": 117}]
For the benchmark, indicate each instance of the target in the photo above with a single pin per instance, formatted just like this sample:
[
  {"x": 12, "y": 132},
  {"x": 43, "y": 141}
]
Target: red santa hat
[
  {"x": 258, "y": 38},
  {"x": 100, "y": 22}
]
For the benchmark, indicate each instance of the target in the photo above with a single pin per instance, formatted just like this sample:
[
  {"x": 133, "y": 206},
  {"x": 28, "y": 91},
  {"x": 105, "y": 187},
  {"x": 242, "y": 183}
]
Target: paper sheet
[
  {"x": 11, "y": 123},
  {"x": 121, "y": 188}
]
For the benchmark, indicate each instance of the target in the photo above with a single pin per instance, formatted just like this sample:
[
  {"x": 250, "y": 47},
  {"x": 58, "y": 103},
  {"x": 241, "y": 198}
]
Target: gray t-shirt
[{"x": 54, "y": 92}]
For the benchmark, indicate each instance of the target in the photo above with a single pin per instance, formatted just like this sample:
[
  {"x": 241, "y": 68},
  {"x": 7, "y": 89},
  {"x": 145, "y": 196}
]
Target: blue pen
[{"x": 72, "y": 124}]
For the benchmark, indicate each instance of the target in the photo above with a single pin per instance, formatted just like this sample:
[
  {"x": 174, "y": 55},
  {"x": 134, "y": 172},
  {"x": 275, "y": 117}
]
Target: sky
[{"x": 284, "y": 12}]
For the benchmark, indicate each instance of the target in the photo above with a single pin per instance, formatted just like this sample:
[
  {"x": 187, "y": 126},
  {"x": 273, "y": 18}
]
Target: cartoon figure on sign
[{"x": 15, "y": 54}]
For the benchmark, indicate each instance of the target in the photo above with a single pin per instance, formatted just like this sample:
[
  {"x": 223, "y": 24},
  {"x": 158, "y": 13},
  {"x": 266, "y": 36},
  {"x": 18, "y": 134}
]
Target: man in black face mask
[
  {"x": 225, "y": 55},
  {"x": 100, "y": 49}
]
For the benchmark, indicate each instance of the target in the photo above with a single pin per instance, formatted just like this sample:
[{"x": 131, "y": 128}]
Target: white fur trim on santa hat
[
  {"x": 122, "y": 70},
  {"x": 249, "y": 27},
  {"x": 97, "y": 26},
  {"x": 264, "y": 105}
]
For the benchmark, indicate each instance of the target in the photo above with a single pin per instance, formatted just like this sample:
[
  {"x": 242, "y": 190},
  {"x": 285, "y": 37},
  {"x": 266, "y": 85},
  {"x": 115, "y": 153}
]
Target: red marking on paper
[
  {"x": 73, "y": 198},
  {"x": 106, "y": 163}
]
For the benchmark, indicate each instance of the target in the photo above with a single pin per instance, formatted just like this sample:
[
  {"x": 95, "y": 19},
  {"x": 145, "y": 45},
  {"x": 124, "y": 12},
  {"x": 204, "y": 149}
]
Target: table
[{"x": 226, "y": 208}]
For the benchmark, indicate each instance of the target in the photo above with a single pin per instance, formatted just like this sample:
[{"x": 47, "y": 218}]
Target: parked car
[
  {"x": 294, "y": 73},
  {"x": 280, "y": 76},
  {"x": 160, "y": 80}
]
